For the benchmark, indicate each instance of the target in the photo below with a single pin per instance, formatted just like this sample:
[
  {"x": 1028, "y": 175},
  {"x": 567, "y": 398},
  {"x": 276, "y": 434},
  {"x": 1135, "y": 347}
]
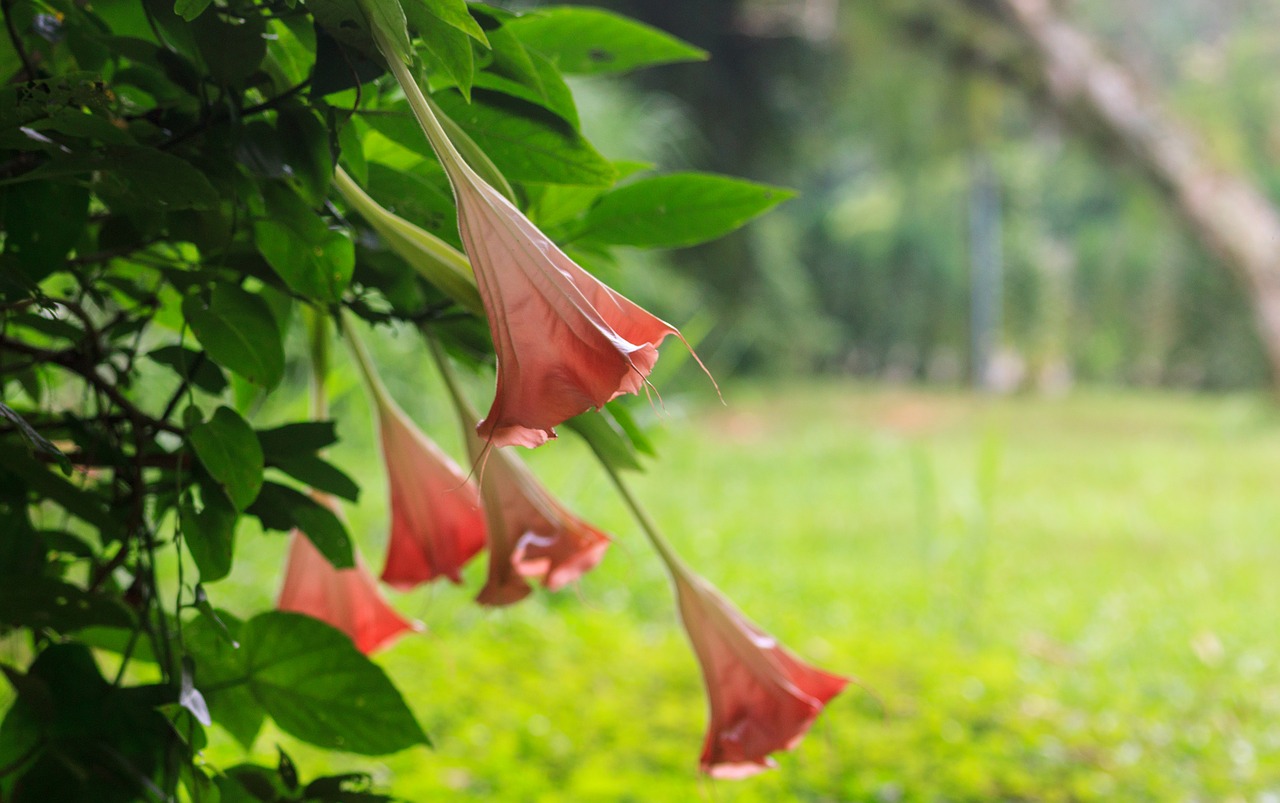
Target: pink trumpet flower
[
  {"x": 347, "y": 599},
  {"x": 565, "y": 342},
  {"x": 437, "y": 524},
  {"x": 531, "y": 535},
  {"x": 762, "y": 697}
]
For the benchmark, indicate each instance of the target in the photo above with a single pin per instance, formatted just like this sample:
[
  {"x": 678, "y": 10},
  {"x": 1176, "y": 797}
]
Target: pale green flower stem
[
  {"x": 381, "y": 396},
  {"x": 435, "y": 260},
  {"x": 429, "y": 115},
  {"x": 318, "y": 334}
]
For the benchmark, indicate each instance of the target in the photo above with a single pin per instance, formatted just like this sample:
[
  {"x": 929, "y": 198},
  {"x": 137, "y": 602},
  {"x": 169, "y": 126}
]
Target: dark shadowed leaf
[
  {"x": 280, "y": 507},
  {"x": 231, "y": 52},
  {"x": 37, "y": 441},
  {"x": 39, "y": 602},
  {"x": 219, "y": 674},
  {"x": 190, "y": 9},
  {"x": 229, "y": 450},
  {"x": 305, "y": 437},
  {"x": 191, "y": 364},
  {"x": 318, "y": 474},
  {"x": 313, "y": 259},
  {"x": 210, "y": 537},
  {"x": 317, "y": 686},
  {"x": 238, "y": 331}
]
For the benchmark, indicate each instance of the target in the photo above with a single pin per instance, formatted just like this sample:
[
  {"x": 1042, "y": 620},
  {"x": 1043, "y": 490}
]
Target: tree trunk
[{"x": 1225, "y": 211}]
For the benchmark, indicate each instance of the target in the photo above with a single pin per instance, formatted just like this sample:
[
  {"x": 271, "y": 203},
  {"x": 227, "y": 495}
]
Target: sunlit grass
[{"x": 1046, "y": 599}]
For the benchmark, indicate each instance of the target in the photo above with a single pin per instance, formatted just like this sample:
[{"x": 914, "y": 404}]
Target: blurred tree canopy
[{"x": 879, "y": 112}]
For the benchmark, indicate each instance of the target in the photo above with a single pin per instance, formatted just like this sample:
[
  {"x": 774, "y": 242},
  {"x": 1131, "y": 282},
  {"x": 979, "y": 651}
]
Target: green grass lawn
[{"x": 1044, "y": 599}]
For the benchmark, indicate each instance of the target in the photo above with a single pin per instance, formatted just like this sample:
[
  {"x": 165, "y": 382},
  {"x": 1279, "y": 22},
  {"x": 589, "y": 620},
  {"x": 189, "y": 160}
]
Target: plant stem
[
  {"x": 381, "y": 397},
  {"x": 668, "y": 554},
  {"x": 465, "y": 410},
  {"x": 429, "y": 118},
  {"x": 318, "y": 334}
]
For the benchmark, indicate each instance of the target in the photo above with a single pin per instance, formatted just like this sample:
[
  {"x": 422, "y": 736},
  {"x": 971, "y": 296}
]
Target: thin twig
[
  {"x": 70, "y": 360},
  {"x": 27, "y": 66}
]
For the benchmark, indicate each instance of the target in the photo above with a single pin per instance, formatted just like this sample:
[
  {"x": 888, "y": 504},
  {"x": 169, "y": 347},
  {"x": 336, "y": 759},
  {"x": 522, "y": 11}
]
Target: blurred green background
[
  {"x": 1043, "y": 599},
  {"x": 1063, "y": 594}
]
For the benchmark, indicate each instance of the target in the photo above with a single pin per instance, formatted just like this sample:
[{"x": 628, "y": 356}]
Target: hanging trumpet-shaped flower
[
  {"x": 347, "y": 599},
  {"x": 565, "y": 342},
  {"x": 531, "y": 535},
  {"x": 762, "y": 697},
  {"x": 437, "y": 524}
]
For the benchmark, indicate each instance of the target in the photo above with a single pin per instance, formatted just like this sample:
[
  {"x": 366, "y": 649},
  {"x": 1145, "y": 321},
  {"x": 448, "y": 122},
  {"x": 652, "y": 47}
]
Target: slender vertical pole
[{"x": 985, "y": 267}]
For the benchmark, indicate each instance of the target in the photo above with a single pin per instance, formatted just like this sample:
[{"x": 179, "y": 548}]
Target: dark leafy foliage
[{"x": 165, "y": 193}]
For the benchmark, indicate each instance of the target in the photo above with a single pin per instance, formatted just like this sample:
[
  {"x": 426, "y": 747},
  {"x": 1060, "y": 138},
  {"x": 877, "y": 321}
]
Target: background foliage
[
  {"x": 878, "y": 112},
  {"x": 168, "y": 228}
]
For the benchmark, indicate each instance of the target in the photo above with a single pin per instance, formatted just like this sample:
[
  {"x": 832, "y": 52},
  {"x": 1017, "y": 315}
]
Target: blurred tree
[{"x": 875, "y": 113}]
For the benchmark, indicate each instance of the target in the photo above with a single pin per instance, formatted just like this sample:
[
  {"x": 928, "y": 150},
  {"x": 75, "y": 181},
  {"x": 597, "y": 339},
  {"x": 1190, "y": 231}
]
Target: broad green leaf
[
  {"x": 306, "y": 148},
  {"x": 306, "y": 676},
  {"x": 152, "y": 178},
  {"x": 304, "y": 437},
  {"x": 416, "y": 199},
  {"x": 280, "y": 507},
  {"x": 527, "y": 75},
  {"x": 230, "y": 452},
  {"x": 388, "y": 16},
  {"x": 553, "y": 205},
  {"x": 318, "y": 474},
  {"x": 210, "y": 537},
  {"x": 313, "y": 259},
  {"x": 318, "y": 687},
  {"x": 189, "y": 363},
  {"x": 238, "y": 331},
  {"x": 448, "y": 48},
  {"x": 41, "y": 221},
  {"x": 591, "y": 40},
  {"x": 677, "y": 209},
  {"x": 453, "y": 13},
  {"x": 231, "y": 52},
  {"x": 219, "y": 674},
  {"x": 526, "y": 142},
  {"x": 291, "y": 50}
]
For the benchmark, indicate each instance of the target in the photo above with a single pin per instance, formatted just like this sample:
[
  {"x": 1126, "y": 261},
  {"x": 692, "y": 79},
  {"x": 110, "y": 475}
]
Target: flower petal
[
  {"x": 437, "y": 524},
  {"x": 565, "y": 342},
  {"x": 531, "y": 535},
  {"x": 762, "y": 698},
  {"x": 347, "y": 599}
]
